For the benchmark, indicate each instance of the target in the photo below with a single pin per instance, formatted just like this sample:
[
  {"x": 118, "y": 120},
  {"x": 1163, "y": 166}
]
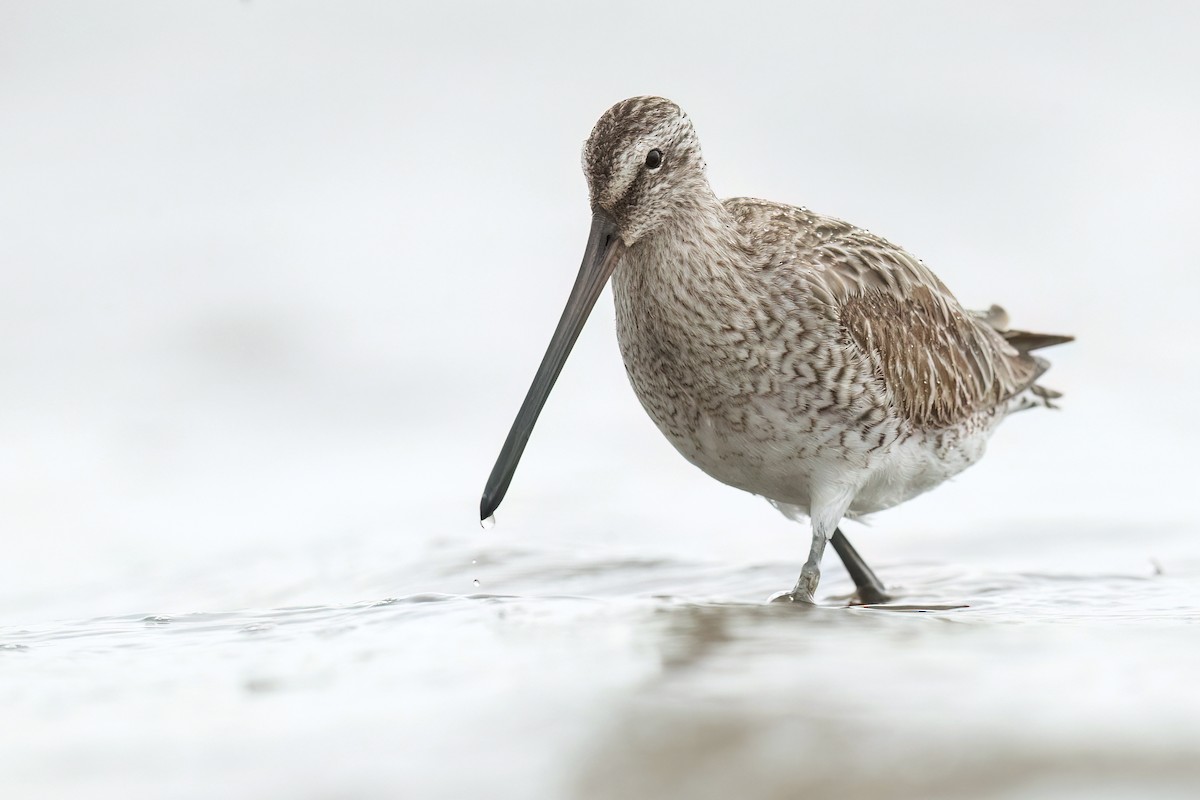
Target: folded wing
[{"x": 941, "y": 363}]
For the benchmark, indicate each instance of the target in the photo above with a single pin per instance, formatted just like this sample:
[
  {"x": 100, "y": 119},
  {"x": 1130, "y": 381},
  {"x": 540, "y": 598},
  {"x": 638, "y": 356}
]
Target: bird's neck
[
  {"x": 700, "y": 245},
  {"x": 690, "y": 275}
]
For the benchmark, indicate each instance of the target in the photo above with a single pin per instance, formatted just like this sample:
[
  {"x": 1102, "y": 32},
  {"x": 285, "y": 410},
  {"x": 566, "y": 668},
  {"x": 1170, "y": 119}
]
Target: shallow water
[
  {"x": 594, "y": 675},
  {"x": 276, "y": 277}
]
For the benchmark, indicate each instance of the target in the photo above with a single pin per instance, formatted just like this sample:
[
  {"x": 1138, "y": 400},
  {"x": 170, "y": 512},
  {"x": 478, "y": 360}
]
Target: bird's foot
[
  {"x": 804, "y": 590},
  {"x": 870, "y": 596},
  {"x": 792, "y": 597}
]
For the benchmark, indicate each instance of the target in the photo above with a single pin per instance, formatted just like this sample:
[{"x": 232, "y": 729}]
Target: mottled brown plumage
[{"x": 783, "y": 352}]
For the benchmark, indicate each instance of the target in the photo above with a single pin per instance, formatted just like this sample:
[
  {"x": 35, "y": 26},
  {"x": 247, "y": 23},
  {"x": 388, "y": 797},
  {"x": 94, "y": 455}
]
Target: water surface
[
  {"x": 275, "y": 279},
  {"x": 602, "y": 675}
]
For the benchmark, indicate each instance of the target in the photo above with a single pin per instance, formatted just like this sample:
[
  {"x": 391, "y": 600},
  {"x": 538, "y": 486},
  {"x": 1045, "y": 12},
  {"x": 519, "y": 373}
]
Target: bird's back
[
  {"x": 940, "y": 364},
  {"x": 780, "y": 350}
]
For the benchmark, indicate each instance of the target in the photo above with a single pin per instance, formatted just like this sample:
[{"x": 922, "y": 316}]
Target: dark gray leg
[{"x": 870, "y": 588}]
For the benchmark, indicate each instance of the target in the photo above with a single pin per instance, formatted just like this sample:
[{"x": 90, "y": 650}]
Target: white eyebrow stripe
[{"x": 632, "y": 158}]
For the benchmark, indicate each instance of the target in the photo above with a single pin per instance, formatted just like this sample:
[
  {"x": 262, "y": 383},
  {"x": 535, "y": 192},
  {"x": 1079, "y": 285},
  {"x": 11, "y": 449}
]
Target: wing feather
[{"x": 941, "y": 363}]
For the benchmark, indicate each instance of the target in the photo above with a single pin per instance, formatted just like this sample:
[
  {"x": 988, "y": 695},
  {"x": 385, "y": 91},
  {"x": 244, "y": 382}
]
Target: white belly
[{"x": 789, "y": 460}]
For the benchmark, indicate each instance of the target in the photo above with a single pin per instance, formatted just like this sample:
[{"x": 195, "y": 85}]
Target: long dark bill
[{"x": 604, "y": 249}]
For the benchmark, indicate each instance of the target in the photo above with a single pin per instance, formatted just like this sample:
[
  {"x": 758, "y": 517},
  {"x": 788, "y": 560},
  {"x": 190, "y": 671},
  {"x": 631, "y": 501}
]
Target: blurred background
[{"x": 274, "y": 278}]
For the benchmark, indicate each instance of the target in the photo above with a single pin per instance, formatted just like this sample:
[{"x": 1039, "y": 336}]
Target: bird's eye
[{"x": 654, "y": 159}]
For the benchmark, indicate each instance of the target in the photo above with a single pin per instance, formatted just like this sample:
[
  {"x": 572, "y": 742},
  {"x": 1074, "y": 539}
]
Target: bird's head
[{"x": 643, "y": 165}]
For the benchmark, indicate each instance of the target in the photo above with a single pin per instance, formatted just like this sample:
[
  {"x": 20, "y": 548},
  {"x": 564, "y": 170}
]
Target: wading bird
[{"x": 785, "y": 353}]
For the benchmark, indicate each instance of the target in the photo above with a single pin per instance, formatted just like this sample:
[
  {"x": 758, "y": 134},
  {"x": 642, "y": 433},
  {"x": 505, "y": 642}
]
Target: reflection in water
[
  {"x": 638, "y": 677},
  {"x": 828, "y": 702}
]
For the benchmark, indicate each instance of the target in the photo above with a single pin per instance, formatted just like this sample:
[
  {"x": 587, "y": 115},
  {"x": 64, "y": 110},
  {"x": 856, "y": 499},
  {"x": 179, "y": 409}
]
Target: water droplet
[
  {"x": 476, "y": 582},
  {"x": 489, "y": 523}
]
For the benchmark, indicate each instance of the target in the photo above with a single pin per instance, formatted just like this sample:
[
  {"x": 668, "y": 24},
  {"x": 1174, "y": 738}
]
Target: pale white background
[
  {"x": 276, "y": 271},
  {"x": 274, "y": 277}
]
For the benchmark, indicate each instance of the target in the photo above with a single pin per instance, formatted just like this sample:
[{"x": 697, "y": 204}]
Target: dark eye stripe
[{"x": 654, "y": 159}]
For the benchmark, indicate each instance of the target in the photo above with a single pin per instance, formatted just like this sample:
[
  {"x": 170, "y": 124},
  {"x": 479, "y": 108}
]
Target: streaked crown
[{"x": 642, "y": 162}]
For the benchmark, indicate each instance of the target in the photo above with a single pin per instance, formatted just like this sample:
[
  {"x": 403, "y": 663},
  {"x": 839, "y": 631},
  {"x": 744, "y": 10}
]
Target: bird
[{"x": 783, "y": 352}]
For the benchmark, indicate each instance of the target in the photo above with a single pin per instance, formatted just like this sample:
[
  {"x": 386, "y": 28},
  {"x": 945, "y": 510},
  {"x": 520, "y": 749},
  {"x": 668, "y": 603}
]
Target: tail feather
[{"x": 1025, "y": 342}]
